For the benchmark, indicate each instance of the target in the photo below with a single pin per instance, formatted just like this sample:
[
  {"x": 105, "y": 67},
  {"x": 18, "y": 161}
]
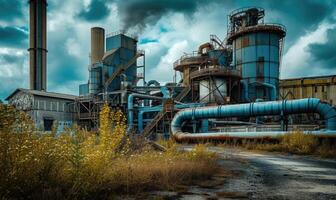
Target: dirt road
[{"x": 249, "y": 175}]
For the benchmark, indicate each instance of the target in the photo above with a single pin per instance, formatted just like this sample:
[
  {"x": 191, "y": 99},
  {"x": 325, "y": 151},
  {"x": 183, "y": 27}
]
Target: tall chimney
[
  {"x": 97, "y": 44},
  {"x": 38, "y": 44}
]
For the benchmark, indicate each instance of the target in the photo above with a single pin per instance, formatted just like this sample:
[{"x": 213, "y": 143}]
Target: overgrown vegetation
[
  {"x": 78, "y": 164},
  {"x": 295, "y": 142}
]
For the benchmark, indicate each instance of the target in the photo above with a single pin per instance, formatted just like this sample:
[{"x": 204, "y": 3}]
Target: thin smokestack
[{"x": 38, "y": 44}]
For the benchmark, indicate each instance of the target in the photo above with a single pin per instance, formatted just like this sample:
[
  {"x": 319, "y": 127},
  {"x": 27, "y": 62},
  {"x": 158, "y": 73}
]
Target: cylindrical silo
[
  {"x": 256, "y": 52},
  {"x": 97, "y": 44},
  {"x": 212, "y": 90},
  {"x": 95, "y": 80}
]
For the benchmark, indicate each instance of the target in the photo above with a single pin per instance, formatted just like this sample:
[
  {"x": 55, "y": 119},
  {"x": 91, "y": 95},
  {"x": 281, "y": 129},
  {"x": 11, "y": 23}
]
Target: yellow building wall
[{"x": 323, "y": 88}]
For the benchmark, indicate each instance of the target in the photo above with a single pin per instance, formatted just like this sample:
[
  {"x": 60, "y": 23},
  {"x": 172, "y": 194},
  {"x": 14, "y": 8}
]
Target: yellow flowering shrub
[{"x": 78, "y": 164}]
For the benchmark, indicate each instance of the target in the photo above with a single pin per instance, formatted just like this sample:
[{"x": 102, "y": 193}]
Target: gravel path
[{"x": 250, "y": 175}]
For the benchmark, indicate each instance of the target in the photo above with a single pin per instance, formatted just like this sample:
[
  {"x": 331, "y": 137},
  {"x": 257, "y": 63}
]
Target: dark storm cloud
[
  {"x": 11, "y": 9},
  {"x": 9, "y": 58},
  {"x": 15, "y": 64},
  {"x": 13, "y": 37},
  {"x": 62, "y": 66},
  {"x": 298, "y": 16},
  {"x": 325, "y": 53},
  {"x": 142, "y": 13},
  {"x": 97, "y": 10}
]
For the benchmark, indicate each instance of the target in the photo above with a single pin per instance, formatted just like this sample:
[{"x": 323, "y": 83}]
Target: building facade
[
  {"x": 45, "y": 108},
  {"x": 321, "y": 87}
]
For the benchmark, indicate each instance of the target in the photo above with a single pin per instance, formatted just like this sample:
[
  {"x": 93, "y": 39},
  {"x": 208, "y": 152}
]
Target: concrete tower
[{"x": 38, "y": 44}]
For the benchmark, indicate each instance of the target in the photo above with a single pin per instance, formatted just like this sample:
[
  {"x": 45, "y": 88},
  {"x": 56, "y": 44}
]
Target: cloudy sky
[{"x": 166, "y": 29}]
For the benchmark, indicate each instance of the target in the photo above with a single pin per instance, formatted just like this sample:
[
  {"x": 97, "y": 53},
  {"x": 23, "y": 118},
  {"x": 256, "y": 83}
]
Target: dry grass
[
  {"x": 80, "y": 165},
  {"x": 295, "y": 142}
]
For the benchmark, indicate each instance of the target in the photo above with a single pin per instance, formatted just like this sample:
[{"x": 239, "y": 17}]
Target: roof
[
  {"x": 108, "y": 53},
  {"x": 43, "y": 93},
  {"x": 309, "y": 77}
]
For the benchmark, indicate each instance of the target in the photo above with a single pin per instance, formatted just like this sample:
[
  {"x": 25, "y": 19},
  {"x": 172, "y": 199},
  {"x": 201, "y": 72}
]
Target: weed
[{"x": 81, "y": 165}]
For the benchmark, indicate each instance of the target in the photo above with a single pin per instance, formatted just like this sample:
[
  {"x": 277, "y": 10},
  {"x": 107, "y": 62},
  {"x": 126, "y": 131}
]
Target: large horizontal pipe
[
  {"x": 247, "y": 135},
  {"x": 286, "y": 107},
  {"x": 153, "y": 82}
]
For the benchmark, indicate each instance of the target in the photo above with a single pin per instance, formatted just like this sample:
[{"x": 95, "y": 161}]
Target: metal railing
[
  {"x": 193, "y": 57},
  {"x": 123, "y": 32},
  {"x": 215, "y": 70},
  {"x": 243, "y": 9},
  {"x": 263, "y": 26}
]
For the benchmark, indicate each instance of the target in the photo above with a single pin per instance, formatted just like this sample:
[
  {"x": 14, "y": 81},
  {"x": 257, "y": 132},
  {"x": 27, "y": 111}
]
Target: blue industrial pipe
[
  {"x": 148, "y": 84},
  {"x": 246, "y": 135},
  {"x": 153, "y": 82},
  {"x": 130, "y": 107},
  {"x": 286, "y": 107},
  {"x": 165, "y": 92},
  {"x": 140, "y": 118},
  {"x": 272, "y": 87},
  {"x": 245, "y": 91}
]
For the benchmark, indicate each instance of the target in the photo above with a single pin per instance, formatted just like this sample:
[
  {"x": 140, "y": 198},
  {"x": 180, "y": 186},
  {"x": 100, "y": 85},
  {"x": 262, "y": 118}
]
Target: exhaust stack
[
  {"x": 38, "y": 44},
  {"x": 97, "y": 44}
]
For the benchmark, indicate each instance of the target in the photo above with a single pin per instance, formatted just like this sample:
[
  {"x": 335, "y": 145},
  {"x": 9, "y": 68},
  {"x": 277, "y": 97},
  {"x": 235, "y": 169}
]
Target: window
[
  {"x": 47, "y": 123},
  {"x": 42, "y": 105},
  {"x": 260, "y": 69},
  {"x": 54, "y": 106},
  {"x": 315, "y": 89},
  {"x": 36, "y": 104}
]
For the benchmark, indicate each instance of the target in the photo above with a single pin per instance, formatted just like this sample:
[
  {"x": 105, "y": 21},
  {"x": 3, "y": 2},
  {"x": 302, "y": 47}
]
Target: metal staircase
[
  {"x": 216, "y": 40},
  {"x": 149, "y": 127},
  {"x": 124, "y": 68},
  {"x": 183, "y": 94}
]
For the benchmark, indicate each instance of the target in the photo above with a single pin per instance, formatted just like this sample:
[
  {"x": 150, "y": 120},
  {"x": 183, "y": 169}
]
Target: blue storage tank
[
  {"x": 256, "y": 52},
  {"x": 83, "y": 89}
]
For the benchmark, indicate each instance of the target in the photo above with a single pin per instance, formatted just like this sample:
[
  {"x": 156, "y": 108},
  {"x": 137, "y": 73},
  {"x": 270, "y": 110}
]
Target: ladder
[
  {"x": 124, "y": 68},
  {"x": 149, "y": 127},
  {"x": 281, "y": 45},
  {"x": 182, "y": 94}
]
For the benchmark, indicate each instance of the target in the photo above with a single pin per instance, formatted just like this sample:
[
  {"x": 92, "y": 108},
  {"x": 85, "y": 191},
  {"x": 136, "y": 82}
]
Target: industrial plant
[{"x": 229, "y": 87}]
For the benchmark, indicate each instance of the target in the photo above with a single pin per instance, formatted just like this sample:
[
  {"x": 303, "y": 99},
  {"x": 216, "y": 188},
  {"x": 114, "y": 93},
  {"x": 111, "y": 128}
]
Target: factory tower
[{"x": 38, "y": 44}]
